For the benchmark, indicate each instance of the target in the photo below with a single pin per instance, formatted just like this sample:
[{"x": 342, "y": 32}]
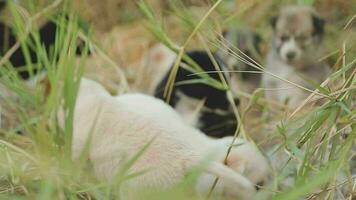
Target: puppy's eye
[{"x": 284, "y": 38}]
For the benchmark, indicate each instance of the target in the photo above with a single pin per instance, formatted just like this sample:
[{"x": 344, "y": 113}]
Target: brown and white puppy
[
  {"x": 117, "y": 128},
  {"x": 295, "y": 52}
]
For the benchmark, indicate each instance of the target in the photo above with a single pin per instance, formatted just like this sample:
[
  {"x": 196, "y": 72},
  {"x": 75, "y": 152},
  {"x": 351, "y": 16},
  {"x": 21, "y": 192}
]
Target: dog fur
[
  {"x": 248, "y": 42},
  {"x": 119, "y": 127},
  {"x": 201, "y": 105},
  {"x": 47, "y": 35},
  {"x": 295, "y": 52},
  {"x": 215, "y": 118}
]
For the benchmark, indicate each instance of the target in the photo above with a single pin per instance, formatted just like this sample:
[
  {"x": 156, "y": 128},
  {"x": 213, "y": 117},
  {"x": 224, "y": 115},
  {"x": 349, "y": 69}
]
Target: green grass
[{"x": 38, "y": 165}]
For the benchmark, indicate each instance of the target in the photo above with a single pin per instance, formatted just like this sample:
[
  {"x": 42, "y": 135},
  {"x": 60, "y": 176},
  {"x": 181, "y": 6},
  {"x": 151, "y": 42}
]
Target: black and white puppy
[
  {"x": 8, "y": 38},
  {"x": 17, "y": 59},
  {"x": 215, "y": 118}
]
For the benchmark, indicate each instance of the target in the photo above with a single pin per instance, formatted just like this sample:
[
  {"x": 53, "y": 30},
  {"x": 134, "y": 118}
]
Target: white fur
[
  {"x": 160, "y": 60},
  {"x": 280, "y": 90},
  {"x": 289, "y": 47},
  {"x": 189, "y": 108},
  {"x": 120, "y": 127}
]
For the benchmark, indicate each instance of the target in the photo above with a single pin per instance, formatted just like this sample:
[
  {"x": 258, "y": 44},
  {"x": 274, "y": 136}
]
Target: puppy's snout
[{"x": 291, "y": 55}]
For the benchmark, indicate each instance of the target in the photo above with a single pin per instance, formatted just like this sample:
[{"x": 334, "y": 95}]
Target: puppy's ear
[
  {"x": 318, "y": 23},
  {"x": 273, "y": 21}
]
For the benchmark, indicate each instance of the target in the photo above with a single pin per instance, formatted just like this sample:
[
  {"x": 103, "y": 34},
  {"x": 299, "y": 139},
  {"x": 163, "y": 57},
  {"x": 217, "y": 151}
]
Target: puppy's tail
[{"x": 234, "y": 184}]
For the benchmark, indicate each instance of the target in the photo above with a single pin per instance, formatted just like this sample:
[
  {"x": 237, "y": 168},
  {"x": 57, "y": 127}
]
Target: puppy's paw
[{"x": 230, "y": 185}]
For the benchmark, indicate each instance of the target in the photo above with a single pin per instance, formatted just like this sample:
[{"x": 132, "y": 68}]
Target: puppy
[
  {"x": 117, "y": 128},
  {"x": 8, "y": 38},
  {"x": 47, "y": 36},
  {"x": 296, "y": 47},
  {"x": 248, "y": 42},
  {"x": 215, "y": 118}
]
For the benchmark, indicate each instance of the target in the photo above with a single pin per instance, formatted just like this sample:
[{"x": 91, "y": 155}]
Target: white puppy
[{"x": 118, "y": 128}]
